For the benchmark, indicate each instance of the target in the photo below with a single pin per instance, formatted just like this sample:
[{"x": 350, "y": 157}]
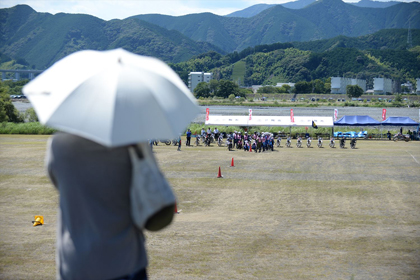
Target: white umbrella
[{"x": 112, "y": 97}]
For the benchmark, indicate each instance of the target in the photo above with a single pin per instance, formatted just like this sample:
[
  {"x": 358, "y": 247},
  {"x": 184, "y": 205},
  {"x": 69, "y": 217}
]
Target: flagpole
[
  {"x": 383, "y": 118},
  {"x": 292, "y": 120},
  {"x": 334, "y": 120}
]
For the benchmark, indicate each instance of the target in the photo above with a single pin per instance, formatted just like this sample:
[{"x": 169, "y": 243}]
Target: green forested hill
[
  {"x": 41, "y": 38},
  {"x": 270, "y": 64},
  {"x": 321, "y": 20},
  {"x": 383, "y": 39}
]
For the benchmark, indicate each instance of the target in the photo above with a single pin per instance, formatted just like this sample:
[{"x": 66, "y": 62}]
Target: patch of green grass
[
  {"x": 238, "y": 73},
  {"x": 25, "y": 128}
]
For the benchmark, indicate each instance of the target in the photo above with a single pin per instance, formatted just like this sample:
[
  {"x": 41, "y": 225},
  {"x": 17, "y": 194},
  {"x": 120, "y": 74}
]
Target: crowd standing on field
[
  {"x": 265, "y": 141},
  {"x": 256, "y": 142}
]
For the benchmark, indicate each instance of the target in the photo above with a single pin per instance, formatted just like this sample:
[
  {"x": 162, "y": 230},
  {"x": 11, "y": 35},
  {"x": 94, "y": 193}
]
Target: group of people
[
  {"x": 257, "y": 141},
  {"x": 411, "y": 134},
  {"x": 238, "y": 140}
]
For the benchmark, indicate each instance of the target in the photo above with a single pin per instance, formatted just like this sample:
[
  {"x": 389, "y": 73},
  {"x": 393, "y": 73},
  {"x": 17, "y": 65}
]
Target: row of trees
[
  {"x": 316, "y": 86},
  {"x": 221, "y": 88},
  {"x": 271, "y": 89},
  {"x": 227, "y": 89},
  {"x": 8, "y": 112}
]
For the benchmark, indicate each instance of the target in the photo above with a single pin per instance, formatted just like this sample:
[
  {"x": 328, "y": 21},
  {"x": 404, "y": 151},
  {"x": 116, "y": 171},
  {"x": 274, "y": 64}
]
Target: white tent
[
  {"x": 283, "y": 121},
  {"x": 319, "y": 121},
  {"x": 227, "y": 120}
]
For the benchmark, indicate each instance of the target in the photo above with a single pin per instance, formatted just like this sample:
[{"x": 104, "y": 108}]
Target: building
[
  {"x": 194, "y": 78},
  {"x": 339, "y": 84},
  {"x": 359, "y": 82},
  {"x": 418, "y": 85},
  {"x": 255, "y": 88},
  {"x": 408, "y": 85},
  {"x": 291, "y": 85},
  {"x": 382, "y": 86}
]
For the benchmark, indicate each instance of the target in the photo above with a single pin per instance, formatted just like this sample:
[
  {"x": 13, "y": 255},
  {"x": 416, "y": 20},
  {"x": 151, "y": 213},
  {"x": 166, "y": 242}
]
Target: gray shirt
[{"x": 96, "y": 237}]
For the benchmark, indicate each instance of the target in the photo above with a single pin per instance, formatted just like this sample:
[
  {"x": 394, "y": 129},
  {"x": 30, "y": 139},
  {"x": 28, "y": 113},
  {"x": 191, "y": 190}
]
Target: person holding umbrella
[{"x": 121, "y": 100}]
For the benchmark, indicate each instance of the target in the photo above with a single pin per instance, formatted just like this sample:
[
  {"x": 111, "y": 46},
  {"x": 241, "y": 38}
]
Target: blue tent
[
  {"x": 399, "y": 121},
  {"x": 357, "y": 121}
]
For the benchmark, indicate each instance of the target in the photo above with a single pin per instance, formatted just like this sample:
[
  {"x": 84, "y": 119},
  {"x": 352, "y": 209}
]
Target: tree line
[
  {"x": 219, "y": 88},
  {"x": 8, "y": 112}
]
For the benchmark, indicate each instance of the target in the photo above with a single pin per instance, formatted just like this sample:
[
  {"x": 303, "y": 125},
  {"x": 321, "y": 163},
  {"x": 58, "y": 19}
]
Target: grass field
[
  {"x": 238, "y": 73},
  {"x": 308, "y": 213}
]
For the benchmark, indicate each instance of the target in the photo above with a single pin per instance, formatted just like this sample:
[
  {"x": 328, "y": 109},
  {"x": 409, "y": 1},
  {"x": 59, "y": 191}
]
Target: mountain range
[
  {"x": 299, "y": 4},
  {"x": 41, "y": 38},
  {"x": 320, "y": 20}
]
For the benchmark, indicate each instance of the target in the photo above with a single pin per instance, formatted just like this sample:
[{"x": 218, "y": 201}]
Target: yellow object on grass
[{"x": 39, "y": 220}]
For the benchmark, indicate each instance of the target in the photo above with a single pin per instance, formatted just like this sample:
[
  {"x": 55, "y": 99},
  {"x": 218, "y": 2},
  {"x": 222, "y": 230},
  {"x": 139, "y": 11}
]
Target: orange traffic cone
[
  {"x": 176, "y": 209},
  {"x": 220, "y": 174},
  {"x": 39, "y": 220},
  {"x": 232, "y": 164}
]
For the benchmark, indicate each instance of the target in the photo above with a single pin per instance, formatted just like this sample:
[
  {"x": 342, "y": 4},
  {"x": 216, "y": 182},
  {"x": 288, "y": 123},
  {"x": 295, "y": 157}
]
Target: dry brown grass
[{"x": 288, "y": 214}]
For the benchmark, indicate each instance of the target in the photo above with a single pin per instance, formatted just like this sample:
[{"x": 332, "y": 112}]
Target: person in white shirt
[{"x": 216, "y": 133}]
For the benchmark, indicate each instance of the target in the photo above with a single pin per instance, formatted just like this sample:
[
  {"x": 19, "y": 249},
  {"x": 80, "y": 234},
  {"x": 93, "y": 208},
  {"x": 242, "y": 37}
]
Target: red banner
[
  {"x": 207, "y": 114},
  {"x": 250, "y": 114},
  {"x": 335, "y": 114},
  {"x": 292, "y": 117},
  {"x": 383, "y": 114}
]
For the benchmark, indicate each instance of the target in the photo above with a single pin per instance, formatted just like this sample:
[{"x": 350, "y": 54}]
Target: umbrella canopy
[{"x": 112, "y": 97}]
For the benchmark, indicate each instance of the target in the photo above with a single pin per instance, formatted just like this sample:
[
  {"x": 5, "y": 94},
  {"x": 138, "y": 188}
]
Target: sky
[{"x": 120, "y": 9}]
